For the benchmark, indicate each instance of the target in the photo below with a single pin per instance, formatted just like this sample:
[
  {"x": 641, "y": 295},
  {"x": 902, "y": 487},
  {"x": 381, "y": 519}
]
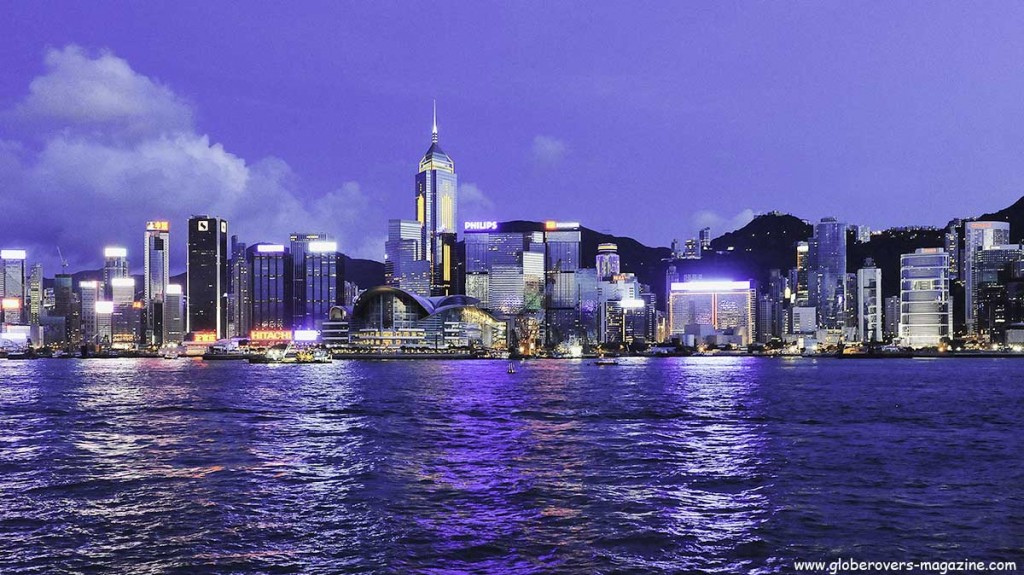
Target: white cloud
[
  {"x": 101, "y": 92},
  {"x": 721, "y": 224},
  {"x": 119, "y": 149},
  {"x": 547, "y": 151},
  {"x": 474, "y": 204}
]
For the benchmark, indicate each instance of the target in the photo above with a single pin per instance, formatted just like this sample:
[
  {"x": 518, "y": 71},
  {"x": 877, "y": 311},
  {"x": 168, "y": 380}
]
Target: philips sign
[{"x": 480, "y": 226}]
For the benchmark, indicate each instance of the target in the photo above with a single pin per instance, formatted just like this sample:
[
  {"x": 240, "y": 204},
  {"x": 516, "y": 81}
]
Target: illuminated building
[
  {"x": 437, "y": 212},
  {"x": 89, "y": 292},
  {"x": 12, "y": 285},
  {"x": 987, "y": 267},
  {"x": 773, "y": 308},
  {"x": 115, "y": 265},
  {"x": 892, "y": 317},
  {"x": 156, "y": 272},
  {"x": 798, "y": 281},
  {"x": 65, "y": 306},
  {"x": 271, "y": 269},
  {"x": 505, "y": 266},
  {"x": 35, "y": 294},
  {"x": 174, "y": 317},
  {"x": 562, "y": 260},
  {"x": 827, "y": 273},
  {"x": 122, "y": 290},
  {"x": 692, "y": 251},
  {"x": 240, "y": 302},
  {"x": 298, "y": 244},
  {"x": 608, "y": 263},
  {"x": 869, "y": 303},
  {"x": 207, "y": 278},
  {"x": 978, "y": 236},
  {"x": 726, "y": 307},
  {"x": 405, "y": 265},
  {"x": 925, "y": 307},
  {"x": 705, "y": 239},
  {"x": 389, "y": 319},
  {"x": 951, "y": 241},
  {"x": 323, "y": 269},
  {"x": 103, "y": 312}
]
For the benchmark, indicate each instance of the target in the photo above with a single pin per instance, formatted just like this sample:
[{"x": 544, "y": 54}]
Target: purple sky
[{"x": 649, "y": 120}]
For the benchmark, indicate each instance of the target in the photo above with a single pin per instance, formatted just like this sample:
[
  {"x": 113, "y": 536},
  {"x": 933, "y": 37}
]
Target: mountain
[
  {"x": 363, "y": 273},
  {"x": 1013, "y": 214}
]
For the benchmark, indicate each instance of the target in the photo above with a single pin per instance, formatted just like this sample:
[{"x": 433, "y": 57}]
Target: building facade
[
  {"x": 926, "y": 317},
  {"x": 206, "y": 295}
]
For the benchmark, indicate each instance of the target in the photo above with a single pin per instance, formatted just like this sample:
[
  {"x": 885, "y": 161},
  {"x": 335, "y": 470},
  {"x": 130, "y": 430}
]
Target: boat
[
  {"x": 511, "y": 367},
  {"x": 606, "y": 361},
  {"x": 285, "y": 353}
]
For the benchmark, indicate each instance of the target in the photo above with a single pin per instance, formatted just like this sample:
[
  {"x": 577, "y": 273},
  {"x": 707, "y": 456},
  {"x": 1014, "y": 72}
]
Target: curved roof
[{"x": 427, "y": 305}]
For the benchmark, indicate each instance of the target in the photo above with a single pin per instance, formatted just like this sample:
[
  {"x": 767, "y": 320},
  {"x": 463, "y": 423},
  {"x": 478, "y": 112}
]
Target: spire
[{"x": 433, "y": 137}]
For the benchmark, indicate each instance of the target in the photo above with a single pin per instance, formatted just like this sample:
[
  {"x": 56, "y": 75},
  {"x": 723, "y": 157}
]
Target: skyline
[{"x": 297, "y": 135}]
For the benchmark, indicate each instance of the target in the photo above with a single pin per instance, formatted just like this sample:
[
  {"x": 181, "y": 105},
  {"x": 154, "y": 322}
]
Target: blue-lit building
[
  {"x": 827, "y": 273},
  {"x": 437, "y": 213}
]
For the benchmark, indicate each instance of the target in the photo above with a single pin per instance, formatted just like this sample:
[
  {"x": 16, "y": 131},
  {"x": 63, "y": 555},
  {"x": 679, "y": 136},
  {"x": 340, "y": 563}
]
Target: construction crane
[{"x": 63, "y": 262}]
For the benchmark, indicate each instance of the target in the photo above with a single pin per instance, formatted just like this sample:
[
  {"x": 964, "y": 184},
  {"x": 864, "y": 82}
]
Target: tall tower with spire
[{"x": 437, "y": 212}]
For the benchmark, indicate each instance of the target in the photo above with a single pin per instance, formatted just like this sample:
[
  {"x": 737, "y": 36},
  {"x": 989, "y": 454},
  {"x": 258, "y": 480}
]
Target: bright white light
[
  {"x": 105, "y": 307},
  {"x": 270, "y": 249},
  {"x": 89, "y": 285},
  {"x": 631, "y": 303},
  {"x": 480, "y": 226},
  {"x": 122, "y": 282},
  {"x": 710, "y": 286},
  {"x": 322, "y": 247},
  {"x": 12, "y": 254},
  {"x": 11, "y": 303},
  {"x": 115, "y": 252},
  {"x": 305, "y": 335},
  {"x": 173, "y": 289}
]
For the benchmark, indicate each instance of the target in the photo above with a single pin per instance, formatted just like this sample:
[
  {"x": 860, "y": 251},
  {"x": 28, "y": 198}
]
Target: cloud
[
  {"x": 101, "y": 93},
  {"x": 474, "y": 204},
  {"x": 547, "y": 151},
  {"x": 721, "y": 224},
  {"x": 117, "y": 149}
]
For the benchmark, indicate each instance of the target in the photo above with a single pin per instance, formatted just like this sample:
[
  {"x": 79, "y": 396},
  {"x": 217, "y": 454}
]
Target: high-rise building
[
  {"x": 987, "y": 269},
  {"x": 115, "y": 265},
  {"x": 12, "y": 286},
  {"x": 89, "y": 292},
  {"x": 35, "y": 294},
  {"x": 505, "y": 266},
  {"x": 298, "y": 244},
  {"x": 271, "y": 269},
  {"x": 799, "y": 280},
  {"x": 437, "y": 211},
  {"x": 978, "y": 236},
  {"x": 722, "y": 306},
  {"x": 892, "y": 317},
  {"x": 773, "y": 307},
  {"x": 173, "y": 315},
  {"x": 156, "y": 272},
  {"x": 66, "y": 306},
  {"x": 207, "y": 278},
  {"x": 323, "y": 283},
  {"x": 869, "y": 303},
  {"x": 827, "y": 273},
  {"x": 951, "y": 241},
  {"x": 925, "y": 307},
  {"x": 561, "y": 261},
  {"x": 240, "y": 304},
  {"x": 122, "y": 290},
  {"x": 705, "y": 239},
  {"x": 608, "y": 262},
  {"x": 103, "y": 314},
  {"x": 404, "y": 263}
]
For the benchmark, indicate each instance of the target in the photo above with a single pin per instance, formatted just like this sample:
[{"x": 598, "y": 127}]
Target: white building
[
  {"x": 925, "y": 306},
  {"x": 869, "y": 303}
]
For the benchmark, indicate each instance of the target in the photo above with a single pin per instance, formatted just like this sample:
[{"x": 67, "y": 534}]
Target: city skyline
[{"x": 732, "y": 124}]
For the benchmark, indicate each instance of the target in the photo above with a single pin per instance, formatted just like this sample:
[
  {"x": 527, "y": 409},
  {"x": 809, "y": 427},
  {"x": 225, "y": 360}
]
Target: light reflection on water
[{"x": 720, "y": 465}]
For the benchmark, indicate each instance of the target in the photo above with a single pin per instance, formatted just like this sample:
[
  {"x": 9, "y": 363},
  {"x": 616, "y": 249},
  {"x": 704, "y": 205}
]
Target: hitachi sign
[{"x": 480, "y": 226}]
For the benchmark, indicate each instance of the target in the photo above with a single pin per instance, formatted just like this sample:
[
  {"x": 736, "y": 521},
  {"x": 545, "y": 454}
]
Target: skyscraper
[
  {"x": 827, "y": 273},
  {"x": 437, "y": 212},
  {"x": 207, "y": 279},
  {"x": 173, "y": 319},
  {"x": 607, "y": 261},
  {"x": 240, "y": 319},
  {"x": 869, "y": 302},
  {"x": 271, "y": 270},
  {"x": 298, "y": 244},
  {"x": 561, "y": 261},
  {"x": 90, "y": 294},
  {"x": 404, "y": 263},
  {"x": 156, "y": 271},
  {"x": 978, "y": 236},
  {"x": 35, "y": 294},
  {"x": 115, "y": 265},
  {"x": 925, "y": 308},
  {"x": 323, "y": 269},
  {"x": 12, "y": 285}
]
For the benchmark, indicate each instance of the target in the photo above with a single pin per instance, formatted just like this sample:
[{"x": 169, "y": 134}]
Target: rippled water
[{"x": 727, "y": 465}]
